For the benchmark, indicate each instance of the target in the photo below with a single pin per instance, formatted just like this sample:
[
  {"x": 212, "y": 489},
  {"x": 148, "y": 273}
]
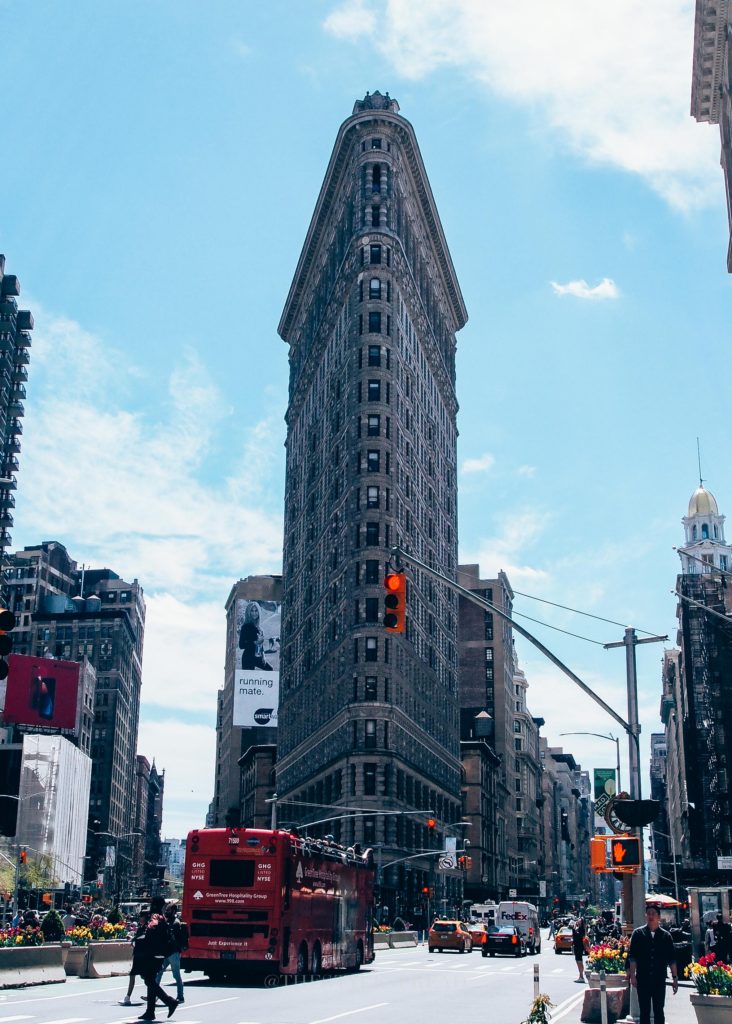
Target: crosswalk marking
[
  {"x": 66, "y": 1020},
  {"x": 18, "y": 1016}
]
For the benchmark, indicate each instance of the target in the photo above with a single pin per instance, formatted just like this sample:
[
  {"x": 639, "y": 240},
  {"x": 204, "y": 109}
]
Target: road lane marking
[
  {"x": 18, "y": 1016},
  {"x": 68, "y": 995},
  {"x": 567, "y": 1006},
  {"x": 337, "y": 1016},
  {"x": 197, "y": 1006},
  {"x": 66, "y": 1020}
]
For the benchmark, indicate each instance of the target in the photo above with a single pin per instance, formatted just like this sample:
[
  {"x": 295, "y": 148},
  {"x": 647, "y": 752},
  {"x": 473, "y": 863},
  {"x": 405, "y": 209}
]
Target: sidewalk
[{"x": 678, "y": 1008}]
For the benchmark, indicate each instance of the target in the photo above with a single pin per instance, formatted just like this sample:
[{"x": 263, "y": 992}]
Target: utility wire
[
  {"x": 565, "y": 631},
  {"x": 577, "y": 611}
]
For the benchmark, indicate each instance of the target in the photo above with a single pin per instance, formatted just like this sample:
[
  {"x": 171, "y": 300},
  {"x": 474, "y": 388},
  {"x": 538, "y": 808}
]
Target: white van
[
  {"x": 485, "y": 913},
  {"x": 526, "y": 918}
]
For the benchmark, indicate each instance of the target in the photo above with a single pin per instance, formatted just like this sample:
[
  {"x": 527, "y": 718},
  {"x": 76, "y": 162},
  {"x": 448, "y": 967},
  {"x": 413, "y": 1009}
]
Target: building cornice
[
  {"x": 710, "y": 39},
  {"x": 329, "y": 190}
]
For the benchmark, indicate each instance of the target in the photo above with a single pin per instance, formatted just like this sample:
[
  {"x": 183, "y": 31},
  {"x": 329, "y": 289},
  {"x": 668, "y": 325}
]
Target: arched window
[
  {"x": 374, "y": 288},
  {"x": 705, "y": 531},
  {"x": 693, "y": 533}
]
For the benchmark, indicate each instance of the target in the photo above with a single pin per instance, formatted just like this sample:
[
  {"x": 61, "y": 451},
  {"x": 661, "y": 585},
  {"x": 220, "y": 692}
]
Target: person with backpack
[
  {"x": 156, "y": 946},
  {"x": 137, "y": 958},
  {"x": 180, "y": 939}
]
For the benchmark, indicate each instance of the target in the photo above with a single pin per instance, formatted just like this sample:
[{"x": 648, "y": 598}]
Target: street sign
[
  {"x": 542, "y": 888},
  {"x": 604, "y": 782},
  {"x": 512, "y": 894},
  {"x": 601, "y": 804},
  {"x": 724, "y": 863},
  {"x": 446, "y": 862}
]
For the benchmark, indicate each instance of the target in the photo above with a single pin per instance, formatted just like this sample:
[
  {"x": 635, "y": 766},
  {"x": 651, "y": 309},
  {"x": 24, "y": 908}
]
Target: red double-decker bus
[{"x": 261, "y": 901}]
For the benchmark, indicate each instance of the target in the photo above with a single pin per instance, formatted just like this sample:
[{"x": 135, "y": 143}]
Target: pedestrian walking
[
  {"x": 179, "y": 932},
  {"x": 651, "y": 953},
  {"x": 580, "y": 942},
  {"x": 710, "y": 937},
  {"x": 137, "y": 969},
  {"x": 68, "y": 919},
  {"x": 157, "y": 944}
]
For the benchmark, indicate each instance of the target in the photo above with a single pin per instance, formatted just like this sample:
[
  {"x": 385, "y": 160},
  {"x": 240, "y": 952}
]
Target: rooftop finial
[{"x": 698, "y": 459}]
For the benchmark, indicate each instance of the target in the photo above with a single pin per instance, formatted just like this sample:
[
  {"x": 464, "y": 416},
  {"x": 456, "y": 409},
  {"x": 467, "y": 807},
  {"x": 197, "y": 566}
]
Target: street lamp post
[
  {"x": 124, "y": 835},
  {"x": 603, "y": 736}
]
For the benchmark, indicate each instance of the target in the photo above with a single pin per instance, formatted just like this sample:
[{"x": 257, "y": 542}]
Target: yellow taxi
[
  {"x": 449, "y": 935},
  {"x": 563, "y": 941},
  {"x": 478, "y": 932}
]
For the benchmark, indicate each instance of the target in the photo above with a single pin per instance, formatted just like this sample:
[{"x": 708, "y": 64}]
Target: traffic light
[
  {"x": 625, "y": 852},
  {"x": 395, "y": 602},
  {"x": 22, "y": 857},
  {"x": 598, "y": 851},
  {"x": 7, "y": 623},
  {"x": 431, "y": 824}
]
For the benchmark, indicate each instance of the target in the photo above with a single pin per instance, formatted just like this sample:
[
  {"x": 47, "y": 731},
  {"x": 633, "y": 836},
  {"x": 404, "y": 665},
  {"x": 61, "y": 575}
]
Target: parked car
[
  {"x": 449, "y": 935},
  {"x": 478, "y": 931},
  {"x": 508, "y": 940},
  {"x": 563, "y": 941}
]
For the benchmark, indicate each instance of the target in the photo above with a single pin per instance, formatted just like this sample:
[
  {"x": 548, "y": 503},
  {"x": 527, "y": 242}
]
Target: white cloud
[
  {"x": 478, "y": 465},
  {"x": 606, "y": 289},
  {"x": 128, "y": 490},
  {"x": 351, "y": 20},
  {"x": 506, "y": 550},
  {"x": 526, "y": 471},
  {"x": 606, "y": 78}
]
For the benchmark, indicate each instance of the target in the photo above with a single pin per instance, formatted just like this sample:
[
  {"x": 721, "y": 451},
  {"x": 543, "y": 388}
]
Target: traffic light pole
[
  {"x": 634, "y": 885},
  {"x": 399, "y": 555}
]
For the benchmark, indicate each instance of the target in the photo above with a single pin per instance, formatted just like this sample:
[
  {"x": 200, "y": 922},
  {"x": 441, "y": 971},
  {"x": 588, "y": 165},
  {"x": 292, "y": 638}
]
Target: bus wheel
[
  {"x": 316, "y": 964},
  {"x": 358, "y": 959},
  {"x": 302, "y": 959}
]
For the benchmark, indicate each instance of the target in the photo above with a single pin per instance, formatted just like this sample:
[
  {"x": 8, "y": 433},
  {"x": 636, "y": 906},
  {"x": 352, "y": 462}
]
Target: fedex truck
[{"x": 526, "y": 918}]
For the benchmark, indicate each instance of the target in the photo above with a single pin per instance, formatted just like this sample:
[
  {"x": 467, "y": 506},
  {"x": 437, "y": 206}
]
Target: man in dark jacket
[
  {"x": 156, "y": 945},
  {"x": 651, "y": 953}
]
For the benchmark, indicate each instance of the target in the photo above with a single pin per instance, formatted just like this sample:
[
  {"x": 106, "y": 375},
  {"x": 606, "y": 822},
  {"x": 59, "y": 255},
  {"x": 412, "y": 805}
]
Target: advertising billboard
[
  {"x": 604, "y": 789},
  {"x": 257, "y": 675},
  {"x": 42, "y": 692}
]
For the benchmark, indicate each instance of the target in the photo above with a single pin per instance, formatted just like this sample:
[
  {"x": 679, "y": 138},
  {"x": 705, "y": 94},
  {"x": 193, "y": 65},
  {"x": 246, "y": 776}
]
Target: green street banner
[{"x": 604, "y": 782}]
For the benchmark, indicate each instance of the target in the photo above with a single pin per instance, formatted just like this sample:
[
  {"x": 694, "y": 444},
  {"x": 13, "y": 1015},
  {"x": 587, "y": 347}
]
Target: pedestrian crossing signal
[{"x": 625, "y": 852}]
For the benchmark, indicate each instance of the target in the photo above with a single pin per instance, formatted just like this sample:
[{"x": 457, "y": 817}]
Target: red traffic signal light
[
  {"x": 395, "y": 602},
  {"x": 431, "y": 823},
  {"x": 22, "y": 856},
  {"x": 426, "y": 890},
  {"x": 625, "y": 852}
]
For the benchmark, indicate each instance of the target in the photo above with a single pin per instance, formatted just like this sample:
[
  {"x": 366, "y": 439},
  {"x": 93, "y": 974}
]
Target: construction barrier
[
  {"x": 108, "y": 959},
  {"x": 31, "y": 965},
  {"x": 381, "y": 940},
  {"x": 397, "y": 939},
  {"x": 74, "y": 960}
]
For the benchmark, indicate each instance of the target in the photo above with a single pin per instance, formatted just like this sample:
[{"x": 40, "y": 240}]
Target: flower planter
[
  {"x": 611, "y": 980},
  {"x": 712, "y": 1009}
]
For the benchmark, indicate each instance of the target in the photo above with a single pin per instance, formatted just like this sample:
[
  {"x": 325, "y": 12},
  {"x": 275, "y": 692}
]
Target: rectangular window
[
  {"x": 374, "y": 323},
  {"x": 517, "y": 726},
  {"x": 374, "y": 355},
  {"x": 370, "y": 734},
  {"x": 374, "y": 392},
  {"x": 375, "y": 254},
  {"x": 373, "y": 425},
  {"x": 369, "y": 691},
  {"x": 372, "y": 609},
  {"x": 376, "y": 143},
  {"x": 372, "y": 649},
  {"x": 372, "y": 533},
  {"x": 488, "y": 618},
  {"x": 517, "y": 744},
  {"x": 372, "y": 497},
  {"x": 369, "y": 779},
  {"x": 369, "y": 830},
  {"x": 372, "y": 571},
  {"x": 489, "y": 673},
  {"x": 373, "y": 460}
]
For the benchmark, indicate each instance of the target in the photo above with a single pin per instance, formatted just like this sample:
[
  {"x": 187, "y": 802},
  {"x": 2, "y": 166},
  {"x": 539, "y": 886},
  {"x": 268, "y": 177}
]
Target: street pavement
[{"x": 404, "y": 986}]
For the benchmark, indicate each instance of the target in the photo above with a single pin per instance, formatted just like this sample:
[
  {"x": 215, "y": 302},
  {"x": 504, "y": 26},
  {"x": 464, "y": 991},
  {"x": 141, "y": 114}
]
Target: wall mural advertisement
[
  {"x": 42, "y": 692},
  {"x": 257, "y": 676}
]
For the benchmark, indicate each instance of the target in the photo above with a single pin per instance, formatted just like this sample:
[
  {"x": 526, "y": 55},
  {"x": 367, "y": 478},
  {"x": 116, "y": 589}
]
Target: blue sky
[{"x": 161, "y": 163}]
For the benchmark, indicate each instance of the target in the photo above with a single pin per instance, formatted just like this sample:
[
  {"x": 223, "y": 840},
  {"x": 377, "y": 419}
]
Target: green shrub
[{"x": 52, "y": 926}]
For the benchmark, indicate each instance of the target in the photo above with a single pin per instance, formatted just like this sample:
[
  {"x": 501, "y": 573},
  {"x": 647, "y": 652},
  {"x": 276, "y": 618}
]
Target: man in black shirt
[{"x": 651, "y": 953}]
